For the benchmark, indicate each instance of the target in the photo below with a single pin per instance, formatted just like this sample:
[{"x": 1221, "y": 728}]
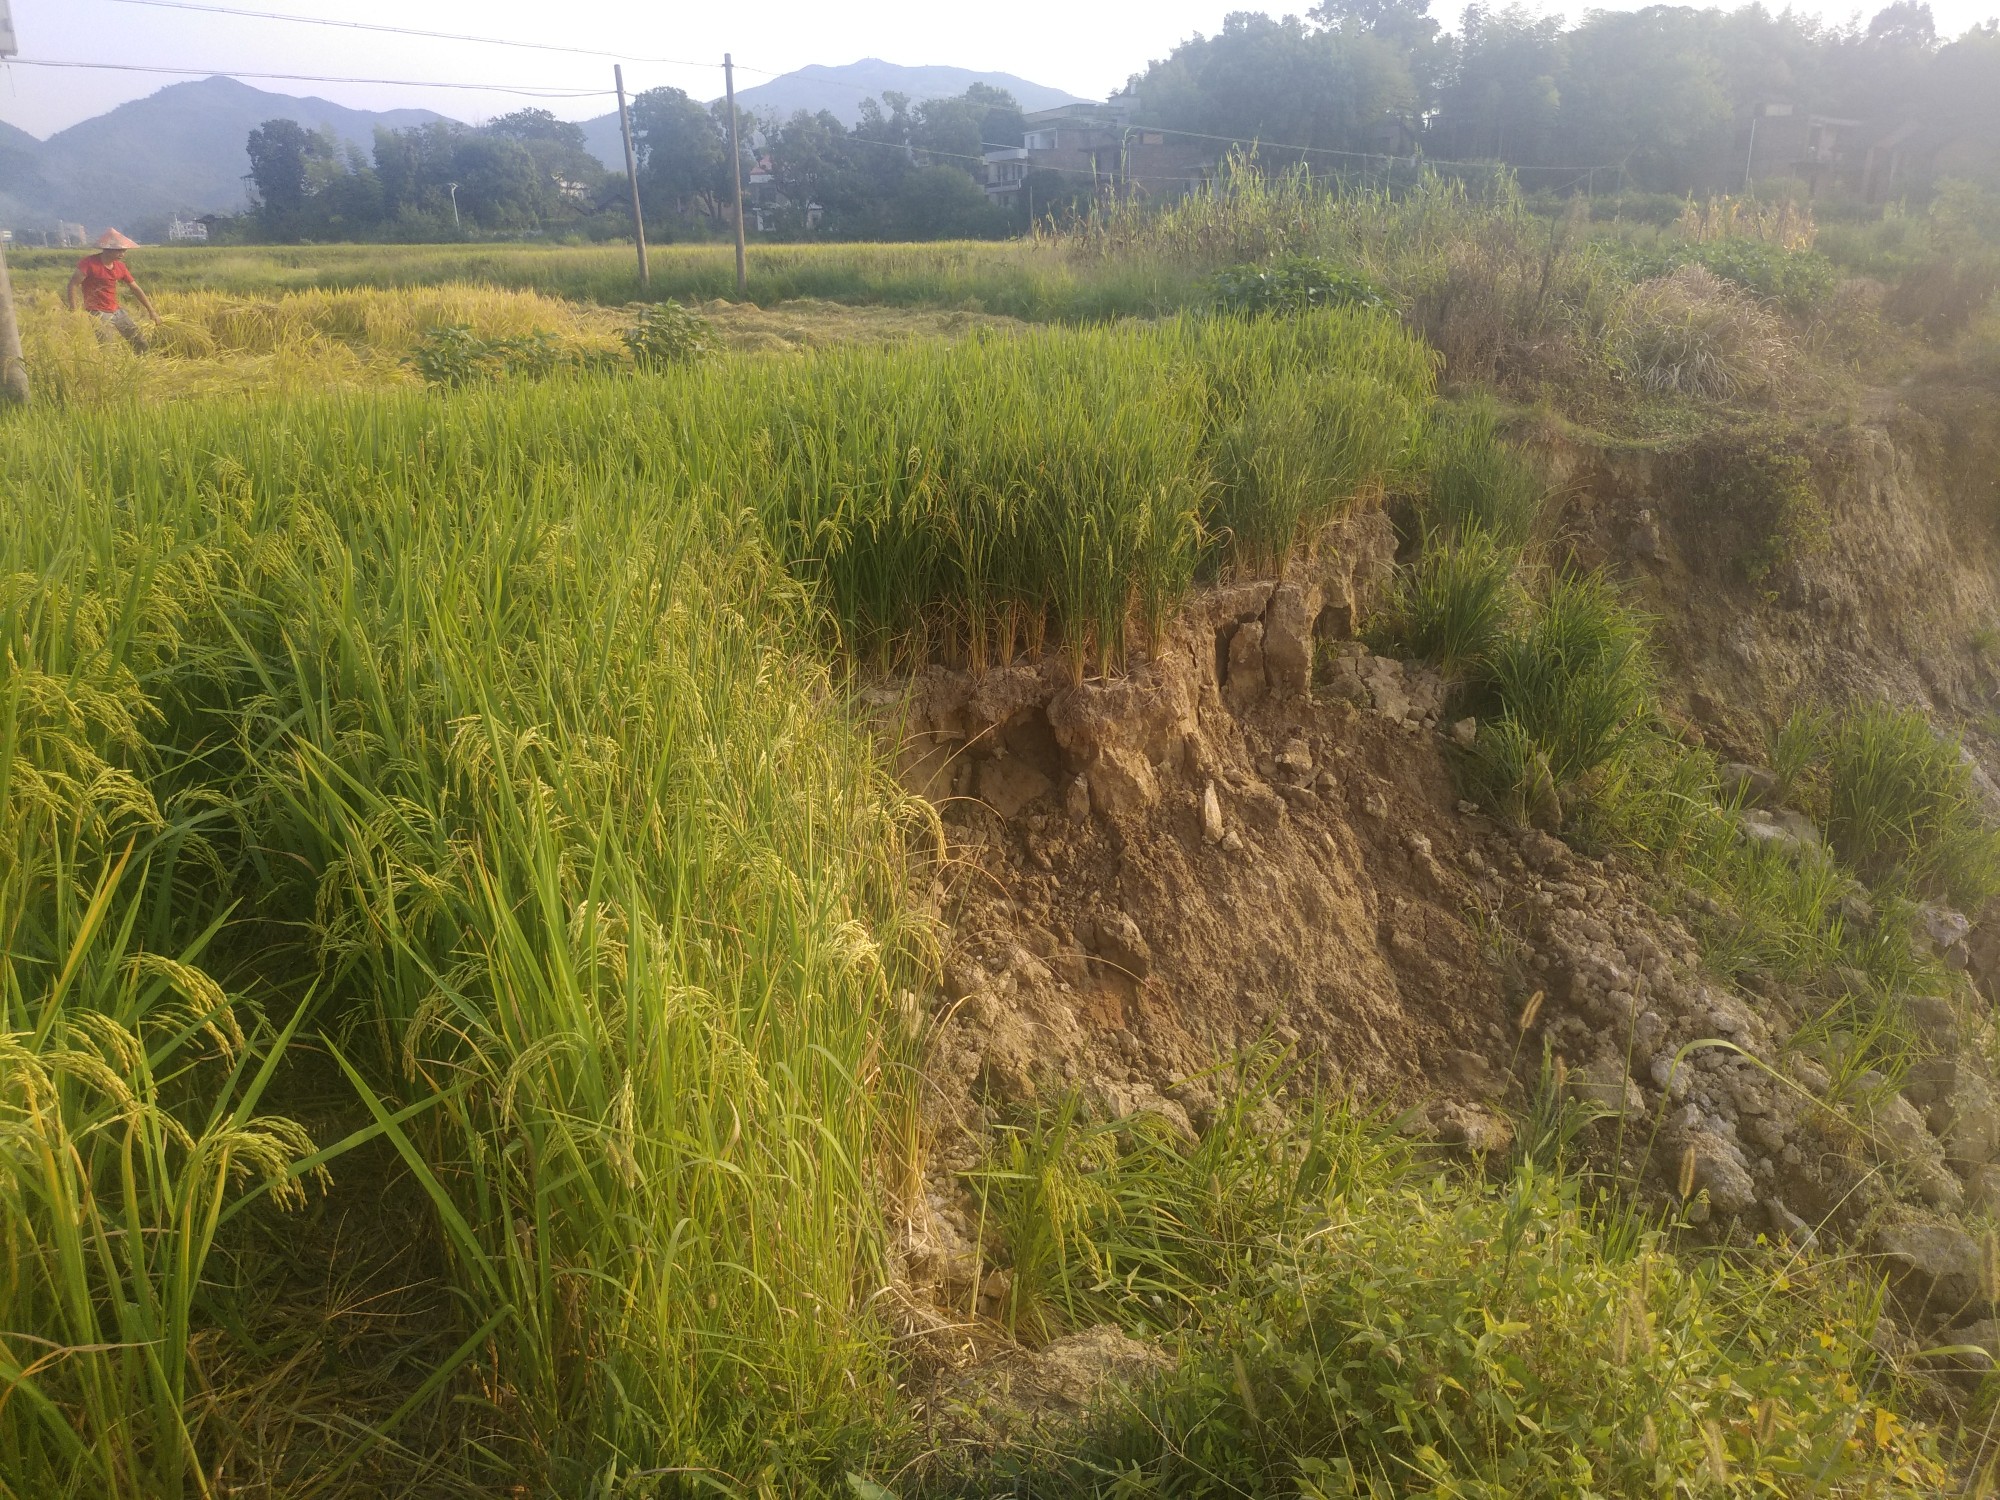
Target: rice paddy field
[{"x": 460, "y": 951}]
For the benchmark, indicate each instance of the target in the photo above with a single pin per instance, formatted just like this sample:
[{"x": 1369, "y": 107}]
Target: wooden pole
[
  {"x": 13, "y": 368},
  {"x": 632, "y": 175},
  {"x": 736, "y": 170}
]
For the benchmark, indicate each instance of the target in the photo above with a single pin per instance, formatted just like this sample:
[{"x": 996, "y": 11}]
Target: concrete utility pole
[
  {"x": 632, "y": 176},
  {"x": 13, "y": 368},
  {"x": 736, "y": 170}
]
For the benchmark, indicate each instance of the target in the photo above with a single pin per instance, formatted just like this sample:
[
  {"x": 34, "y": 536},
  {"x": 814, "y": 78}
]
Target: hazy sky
[{"x": 1087, "y": 48}]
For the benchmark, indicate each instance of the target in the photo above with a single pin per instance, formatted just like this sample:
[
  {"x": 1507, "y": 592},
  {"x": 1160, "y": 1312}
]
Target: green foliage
[
  {"x": 1291, "y": 284},
  {"x": 1454, "y": 606},
  {"x": 1900, "y": 803},
  {"x": 452, "y": 355},
  {"x": 668, "y": 334},
  {"x": 1476, "y": 481},
  {"x": 1368, "y": 1328},
  {"x": 1759, "y": 485},
  {"x": 1797, "y": 280}
]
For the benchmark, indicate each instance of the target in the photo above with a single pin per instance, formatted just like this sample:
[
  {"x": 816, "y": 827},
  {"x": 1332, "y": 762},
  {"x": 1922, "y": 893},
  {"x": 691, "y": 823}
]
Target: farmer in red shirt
[{"x": 98, "y": 276}]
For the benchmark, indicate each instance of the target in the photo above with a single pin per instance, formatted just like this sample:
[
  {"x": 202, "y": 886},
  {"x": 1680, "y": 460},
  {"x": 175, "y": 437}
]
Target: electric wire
[
  {"x": 529, "y": 91},
  {"x": 443, "y": 36}
]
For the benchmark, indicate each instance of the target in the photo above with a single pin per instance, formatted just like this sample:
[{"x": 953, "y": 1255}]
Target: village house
[{"x": 1097, "y": 147}]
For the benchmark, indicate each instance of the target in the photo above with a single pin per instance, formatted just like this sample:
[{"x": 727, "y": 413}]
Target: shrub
[
  {"x": 1476, "y": 481},
  {"x": 1290, "y": 284},
  {"x": 453, "y": 355},
  {"x": 1692, "y": 334},
  {"x": 668, "y": 334}
]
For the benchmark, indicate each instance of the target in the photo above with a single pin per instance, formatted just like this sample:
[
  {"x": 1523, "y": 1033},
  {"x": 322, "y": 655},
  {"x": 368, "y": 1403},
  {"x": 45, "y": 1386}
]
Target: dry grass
[{"x": 1693, "y": 334}]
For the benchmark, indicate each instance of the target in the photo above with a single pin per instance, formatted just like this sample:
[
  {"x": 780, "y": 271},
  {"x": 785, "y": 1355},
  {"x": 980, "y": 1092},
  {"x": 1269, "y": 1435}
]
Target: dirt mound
[{"x": 1861, "y": 560}]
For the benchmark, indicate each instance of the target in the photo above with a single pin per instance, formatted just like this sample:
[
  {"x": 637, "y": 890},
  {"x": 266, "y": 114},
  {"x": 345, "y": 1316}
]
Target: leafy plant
[
  {"x": 668, "y": 334},
  {"x": 1292, "y": 284}
]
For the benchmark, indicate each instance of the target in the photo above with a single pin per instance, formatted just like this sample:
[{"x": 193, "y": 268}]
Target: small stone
[
  {"x": 1465, "y": 732},
  {"x": 1788, "y": 1225},
  {"x": 1122, "y": 783},
  {"x": 1121, "y": 942},
  {"x": 1211, "y": 815},
  {"x": 1233, "y": 841},
  {"x": 1785, "y": 830},
  {"x": 1076, "y": 801},
  {"x": 1375, "y": 805},
  {"x": 1296, "y": 758},
  {"x": 1467, "y": 809},
  {"x": 1245, "y": 684},
  {"x": 1935, "y": 1265},
  {"x": 1747, "y": 785}
]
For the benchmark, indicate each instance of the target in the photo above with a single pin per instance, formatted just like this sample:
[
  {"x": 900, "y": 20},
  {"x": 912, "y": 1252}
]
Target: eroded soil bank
[{"x": 1257, "y": 834}]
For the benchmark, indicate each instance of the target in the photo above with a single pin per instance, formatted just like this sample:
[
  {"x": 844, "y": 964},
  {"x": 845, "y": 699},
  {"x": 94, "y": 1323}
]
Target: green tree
[
  {"x": 683, "y": 153},
  {"x": 1282, "y": 83}
]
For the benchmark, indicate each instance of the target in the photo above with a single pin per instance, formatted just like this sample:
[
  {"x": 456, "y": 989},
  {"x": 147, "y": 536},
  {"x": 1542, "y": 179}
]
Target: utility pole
[
  {"x": 454, "y": 203},
  {"x": 13, "y": 368},
  {"x": 632, "y": 175},
  {"x": 736, "y": 170}
]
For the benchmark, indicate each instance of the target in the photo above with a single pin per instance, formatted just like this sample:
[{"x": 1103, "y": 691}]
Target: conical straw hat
[{"x": 111, "y": 239}]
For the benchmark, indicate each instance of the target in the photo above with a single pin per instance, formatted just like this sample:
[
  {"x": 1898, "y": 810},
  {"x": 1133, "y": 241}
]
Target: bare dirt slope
[{"x": 1255, "y": 833}]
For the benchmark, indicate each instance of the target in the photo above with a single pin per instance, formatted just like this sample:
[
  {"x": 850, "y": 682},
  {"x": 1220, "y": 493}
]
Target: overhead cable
[
  {"x": 530, "y": 91},
  {"x": 443, "y": 36}
]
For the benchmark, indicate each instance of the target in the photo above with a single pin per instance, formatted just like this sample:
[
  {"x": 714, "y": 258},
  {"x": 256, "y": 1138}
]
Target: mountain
[
  {"x": 180, "y": 149},
  {"x": 839, "y": 91}
]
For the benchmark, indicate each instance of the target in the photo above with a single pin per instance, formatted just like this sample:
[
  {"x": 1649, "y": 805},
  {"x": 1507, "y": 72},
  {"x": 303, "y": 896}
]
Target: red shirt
[{"x": 100, "y": 283}]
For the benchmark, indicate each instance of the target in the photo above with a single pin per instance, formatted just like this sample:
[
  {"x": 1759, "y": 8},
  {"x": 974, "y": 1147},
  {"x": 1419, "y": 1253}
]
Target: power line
[
  {"x": 443, "y": 36},
  {"x": 529, "y": 91}
]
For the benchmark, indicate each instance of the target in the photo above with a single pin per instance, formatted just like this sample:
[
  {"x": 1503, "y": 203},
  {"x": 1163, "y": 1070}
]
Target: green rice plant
[
  {"x": 1475, "y": 481},
  {"x": 1454, "y": 606}
]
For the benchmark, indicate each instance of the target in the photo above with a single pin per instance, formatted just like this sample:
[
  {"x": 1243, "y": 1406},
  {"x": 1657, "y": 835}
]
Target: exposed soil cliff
[{"x": 1257, "y": 833}]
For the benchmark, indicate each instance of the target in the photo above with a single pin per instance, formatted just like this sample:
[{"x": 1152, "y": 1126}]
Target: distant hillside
[
  {"x": 839, "y": 91},
  {"x": 178, "y": 149}
]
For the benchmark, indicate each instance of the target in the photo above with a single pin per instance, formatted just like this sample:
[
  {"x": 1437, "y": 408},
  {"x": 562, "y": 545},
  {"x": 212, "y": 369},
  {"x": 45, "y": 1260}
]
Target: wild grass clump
[
  {"x": 1475, "y": 480},
  {"x": 1576, "y": 677},
  {"x": 1896, "y": 798},
  {"x": 1692, "y": 334},
  {"x": 1363, "y": 1321},
  {"x": 1454, "y": 605}
]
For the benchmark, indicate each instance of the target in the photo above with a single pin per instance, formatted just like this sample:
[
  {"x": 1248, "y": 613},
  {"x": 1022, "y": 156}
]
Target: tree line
[
  {"x": 1659, "y": 96},
  {"x": 1654, "y": 99}
]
